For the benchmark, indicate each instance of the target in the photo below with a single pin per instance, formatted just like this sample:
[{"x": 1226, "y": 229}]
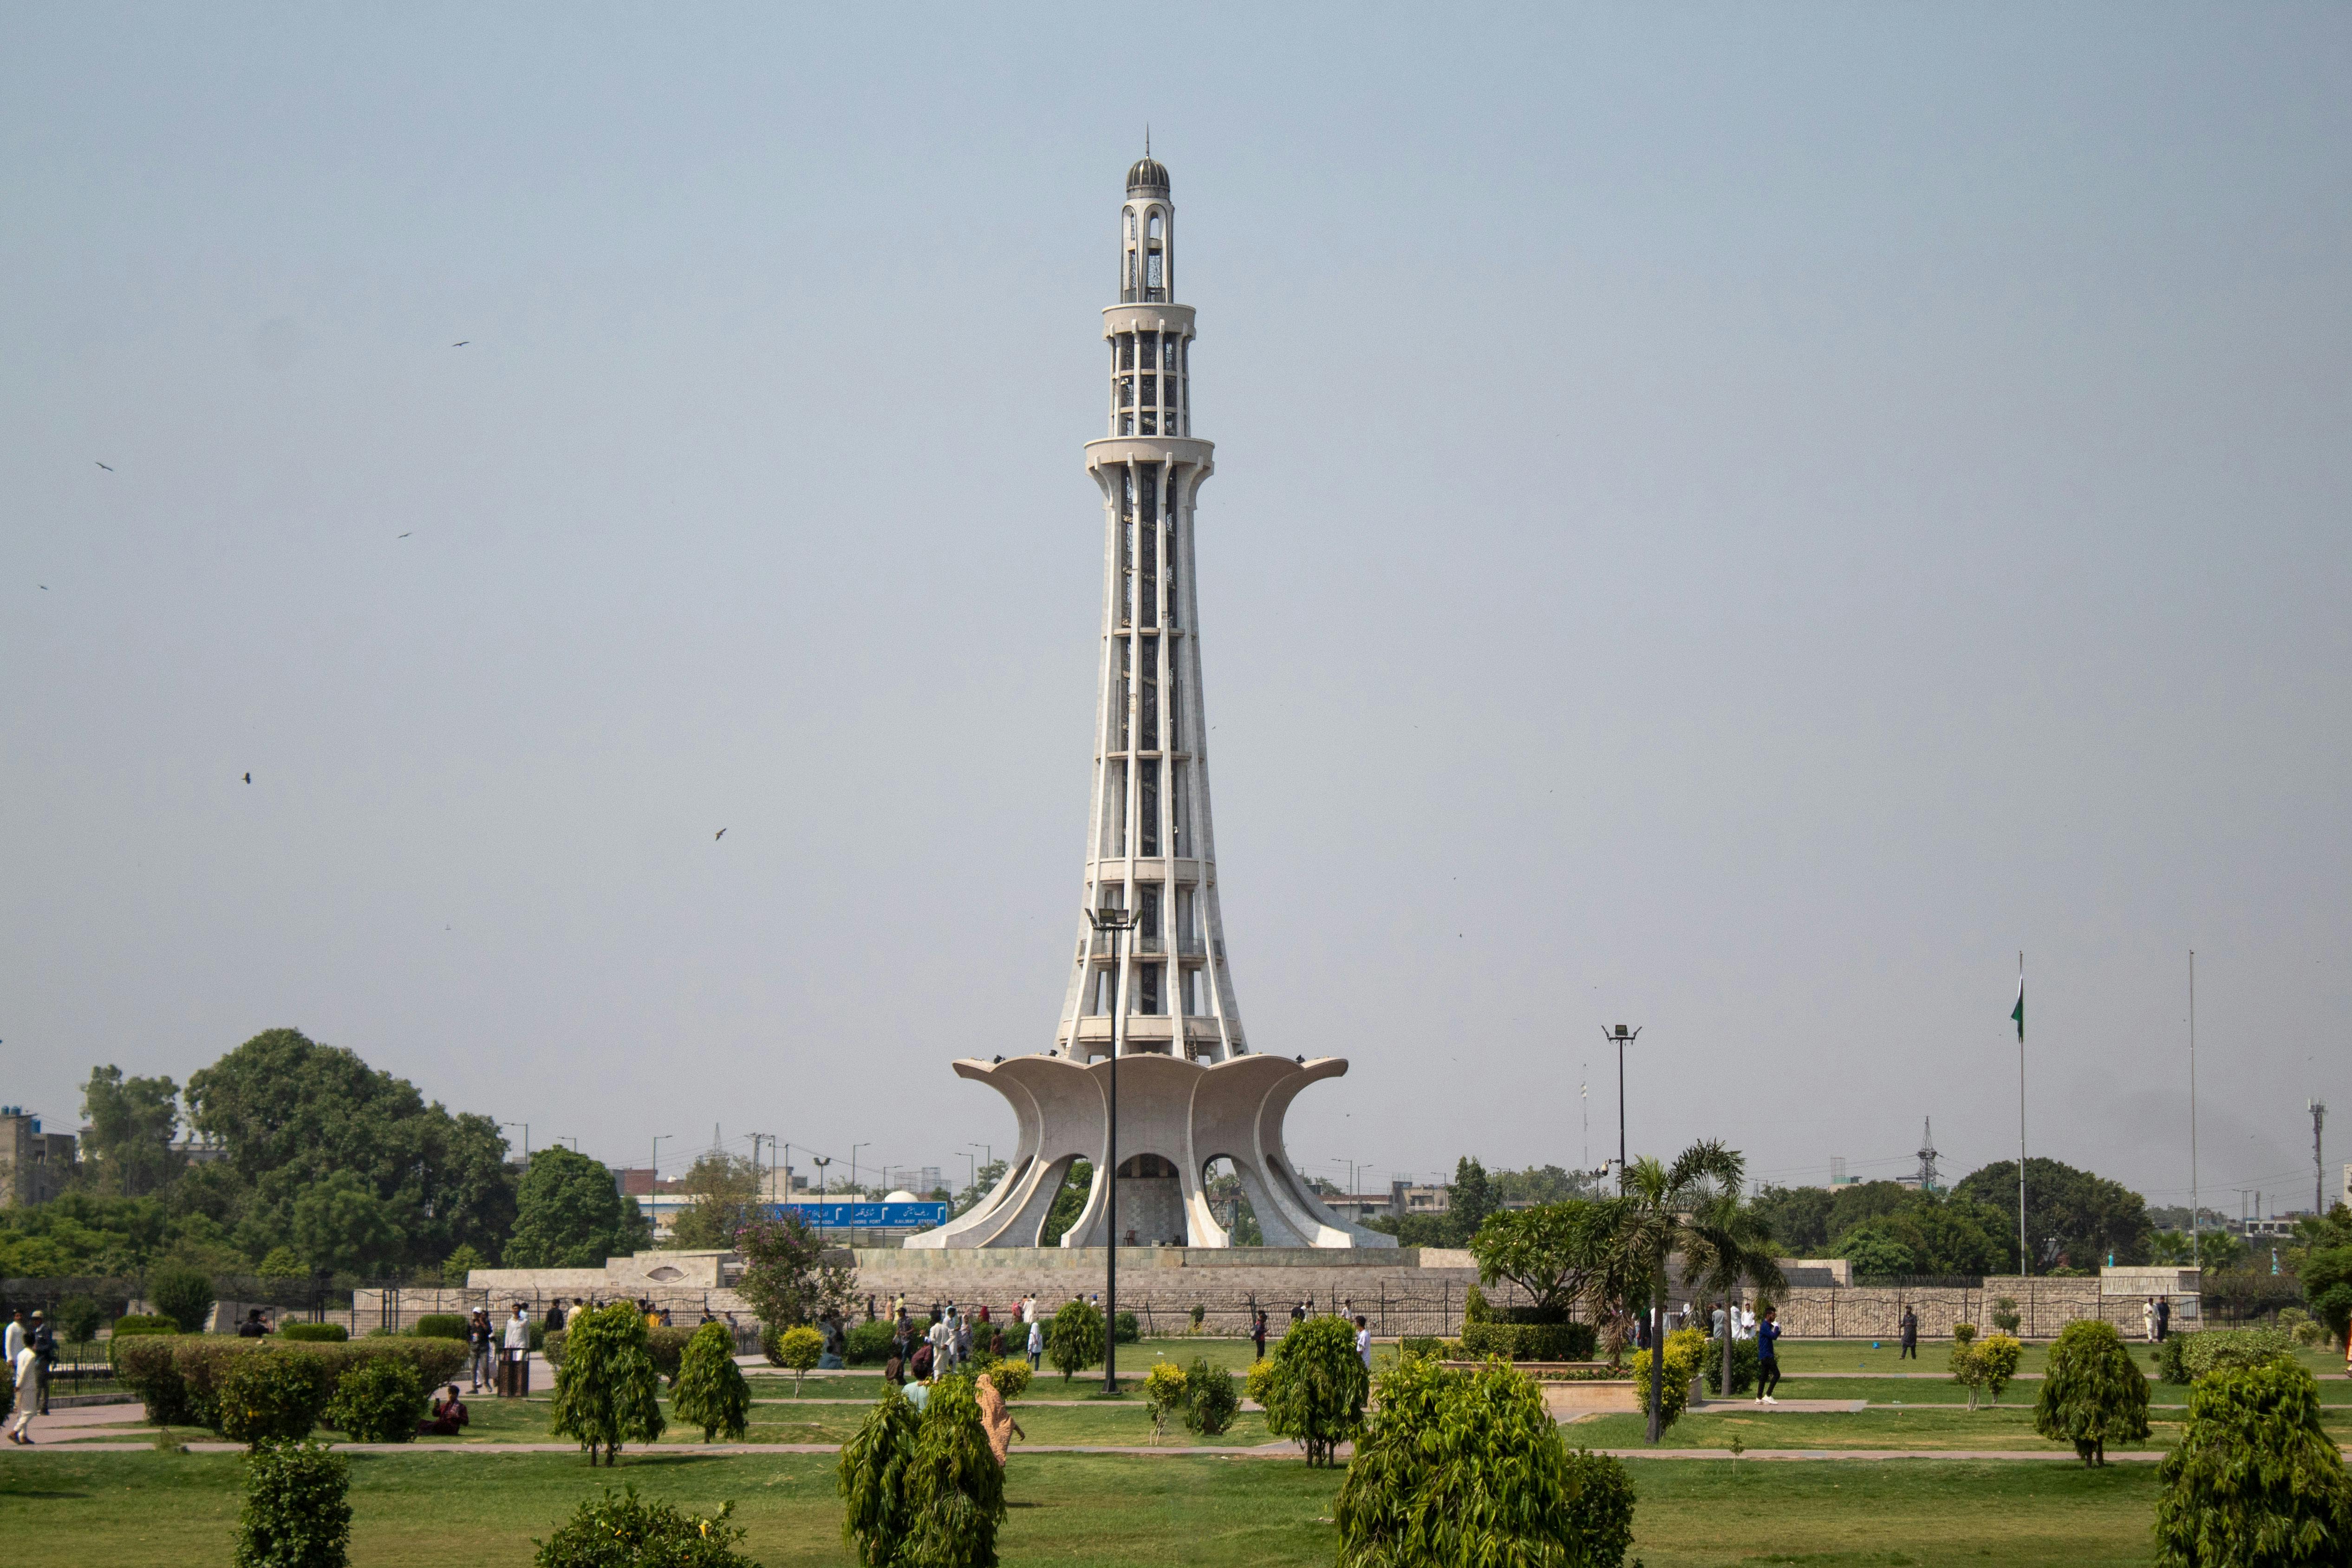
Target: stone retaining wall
[{"x": 2044, "y": 1306}]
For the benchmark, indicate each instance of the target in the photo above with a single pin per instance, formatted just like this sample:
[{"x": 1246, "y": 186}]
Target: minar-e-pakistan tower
[{"x": 1190, "y": 1091}]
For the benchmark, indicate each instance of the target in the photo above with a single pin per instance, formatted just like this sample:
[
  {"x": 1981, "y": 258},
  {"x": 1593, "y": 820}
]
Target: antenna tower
[{"x": 1927, "y": 1154}]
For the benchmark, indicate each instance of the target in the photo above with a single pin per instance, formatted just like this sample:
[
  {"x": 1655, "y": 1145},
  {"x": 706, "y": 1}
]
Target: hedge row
[
  {"x": 1531, "y": 1342},
  {"x": 667, "y": 1346},
  {"x": 179, "y": 1377},
  {"x": 2186, "y": 1357}
]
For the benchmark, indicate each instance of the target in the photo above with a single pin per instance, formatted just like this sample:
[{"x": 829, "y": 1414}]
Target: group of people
[
  {"x": 1743, "y": 1322},
  {"x": 944, "y": 1342},
  {"x": 31, "y": 1347}
]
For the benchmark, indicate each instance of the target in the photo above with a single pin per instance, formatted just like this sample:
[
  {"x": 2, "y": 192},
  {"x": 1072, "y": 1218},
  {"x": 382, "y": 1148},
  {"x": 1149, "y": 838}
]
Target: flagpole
[
  {"x": 2193, "y": 1259},
  {"x": 2024, "y": 1259}
]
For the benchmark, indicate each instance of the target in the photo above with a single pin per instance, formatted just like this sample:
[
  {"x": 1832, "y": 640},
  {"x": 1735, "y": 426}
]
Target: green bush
[
  {"x": 2092, "y": 1393},
  {"x": 2005, "y": 1315},
  {"x": 183, "y": 1294},
  {"x": 2186, "y": 1357},
  {"x": 315, "y": 1334},
  {"x": 876, "y": 1509},
  {"x": 1743, "y": 1367},
  {"x": 868, "y": 1344},
  {"x": 607, "y": 1390},
  {"x": 1529, "y": 1341},
  {"x": 1129, "y": 1332},
  {"x": 1211, "y": 1400},
  {"x": 1163, "y": 1391},
  {"x": 1315, "y": 1393},
  {"x": 144, "y": 1323},
  {"x": 298, "y": 1511},
  {"x": 443, "y": 1325},
  {"x": 1985, "y": 1366},
  {"x": 796, "y": 1349},
  {"x": 2257, "y": 1479},
  {"x": 1073, "y": 1338},
  {"x": 1011, "y": 1378},
  {"x": 624, "y": 1533},
  {"x": 1683, "y": 1348},
  {"x": 1428, "y": 1344},
  {"x": 1461, "y": 1467},
  {"x": 271, "y": 1395},
  {"x": 378, "y": 1401},
  {"x": 955, "y": 1487},
  {"x": 143, "y": 1362},
  {"x": 710, "y": 1392},
  {"x": 666, "y": 1347},
  {"x": 77, "y": 1318}
]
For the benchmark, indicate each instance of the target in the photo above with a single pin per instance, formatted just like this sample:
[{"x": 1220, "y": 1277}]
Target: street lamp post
[
  {"x": 526, "y": 1137},
  {"x": 1620, "y": 1037},
  {"x": 1117, "y": 923}
]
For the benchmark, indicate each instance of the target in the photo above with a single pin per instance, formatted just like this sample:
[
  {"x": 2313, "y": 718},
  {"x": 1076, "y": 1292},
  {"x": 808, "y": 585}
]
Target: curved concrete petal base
[{"x": 1187, "y": 1113}]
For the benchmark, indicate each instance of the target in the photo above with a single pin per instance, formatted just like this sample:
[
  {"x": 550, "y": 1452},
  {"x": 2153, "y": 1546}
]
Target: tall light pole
[
  {"x": 1117, "y": 923},
  {"x": 853, "y": 1161},
  {"x": 2196, "y": 1259},
  {"x": 526, "y": 1137},
  {"x": 1620, "y": 1037},
  {"x": 655, "y": 1174}
]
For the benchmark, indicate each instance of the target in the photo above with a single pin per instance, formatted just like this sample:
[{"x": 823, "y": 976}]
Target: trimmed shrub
[
  {"x": 183, "y": 1294},
  {"x": 1011, "y": 1378},
  {"x": 144, "y": 1323},
  {"x": 607, "y": 1390},
  {"x": 315, "y": 1334},
  {"x": 877, "y": 1512},
  {"x": 272, "y": 1395},
  {"x": 955, "y": 1487},
  {"x": 797, "y": 1350},
  {"x": 2257, "y": 1479},
  {"x": 1530, "y": 1341},
  {"x": 1684, "y": 1347},
  {"x": 1163, "y": 1391},
  {"x": 378, "y": 1401},
  {"x": 868, "y": 1344},
  {"x": 1199, "y": 1316},
  {"x": 298, "y": 1511},
  {"x": 1469, "y": 1468},
  {"x": 666, "y": 1347},
  {"x": 710, "y": 1392},
  {"x": 1130, "y": 1332},
  {"x": 1257, "y": 1382},
  {"x": 1210, "y": 1401},
  {"x": 1984, "y": 1365},
  {"x": 2005, "y": 1314},
  {"x": 143, "y": 1361},
  {"x": 1316, "y": 1392},
  {"x": 441, "y": 1325},
  {"x": 1426, "y": 1345},
  {"x": 624, "y": 1532},
  {"x": 1074, "y": 1339},
  {"x": 2186, "y": 1357},
  {"x": 2092, "y": 1393}
]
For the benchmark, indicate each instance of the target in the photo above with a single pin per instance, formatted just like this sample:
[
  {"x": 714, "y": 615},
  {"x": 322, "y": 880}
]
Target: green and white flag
[{"x": 2017, "y": 1013}]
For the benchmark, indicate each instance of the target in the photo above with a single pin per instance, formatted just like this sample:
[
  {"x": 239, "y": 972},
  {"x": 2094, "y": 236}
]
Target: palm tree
[{"x": 1692, "y": 1208}]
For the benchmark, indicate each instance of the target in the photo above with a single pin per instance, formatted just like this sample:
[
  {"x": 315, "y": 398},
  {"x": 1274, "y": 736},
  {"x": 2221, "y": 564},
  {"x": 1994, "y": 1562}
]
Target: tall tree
[
  {"x": 1472, "y": 1201},
  {"x": 570, "y": 1215},
  {"x": 291, "y": 1112},
  {"x": 2072, "y": 1217},
  {"x": 1691, "y": 1208},
  {"x": 127, "y": 1150},
  {"x": 726, "y": 1192}
]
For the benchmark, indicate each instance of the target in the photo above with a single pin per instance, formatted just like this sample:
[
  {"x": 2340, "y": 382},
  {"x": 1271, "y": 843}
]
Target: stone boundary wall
[{"x": 2044, "y": 1306}]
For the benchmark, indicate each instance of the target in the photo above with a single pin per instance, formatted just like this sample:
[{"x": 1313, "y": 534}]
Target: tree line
[{"x": 314, "y": 1163}]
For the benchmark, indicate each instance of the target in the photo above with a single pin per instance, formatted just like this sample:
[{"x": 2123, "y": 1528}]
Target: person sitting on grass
[
  {"x": 918, "y": 1393},
  {"x": 448, "y": 1416}
]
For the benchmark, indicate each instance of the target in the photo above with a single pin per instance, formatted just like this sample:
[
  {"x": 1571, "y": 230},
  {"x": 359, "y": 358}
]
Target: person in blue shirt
[{"x": 1768, "y": 1361}]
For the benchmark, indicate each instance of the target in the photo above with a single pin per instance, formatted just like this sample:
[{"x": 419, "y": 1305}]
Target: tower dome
[{"x": 1148, "y": 174}]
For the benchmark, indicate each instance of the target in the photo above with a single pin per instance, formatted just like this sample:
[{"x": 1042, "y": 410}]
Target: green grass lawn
[
  {"x": 1943, "y": 1391},
  {"x": 1799, "y": 1356},
  {"x": 2006, "y": 1426},
  {"x": 789, "y": 1421},
  {"x": 421, "y": 1509}
]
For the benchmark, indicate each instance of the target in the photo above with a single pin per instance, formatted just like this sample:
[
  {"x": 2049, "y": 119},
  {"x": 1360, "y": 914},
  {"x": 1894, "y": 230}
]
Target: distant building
[
  {"x": 1405, "y": 1198},
  {"x": 33, "y": 1165}
]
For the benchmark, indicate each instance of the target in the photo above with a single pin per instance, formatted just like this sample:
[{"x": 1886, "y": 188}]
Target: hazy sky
[{"x": 1732, "y": 519}]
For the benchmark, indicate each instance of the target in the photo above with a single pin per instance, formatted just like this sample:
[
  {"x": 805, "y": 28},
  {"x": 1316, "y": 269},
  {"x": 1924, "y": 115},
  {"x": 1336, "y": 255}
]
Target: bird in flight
[
  {"x": 718, "y": 835},
  {"x": 461, "y": 344},
  {"x": 404, "y": 535},
  {"x": 248, "y": 778},
  {"x": 106, "y": 466}
]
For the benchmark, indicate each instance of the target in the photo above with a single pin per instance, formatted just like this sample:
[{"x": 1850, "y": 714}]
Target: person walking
[
  {"x": 45, "y": 1346},
  {"x": 963, "y": 1341},
  {"x": 1298, "y": 1312},
  {"x": 1363, "y": 1342},
  {"x": 1746, "y": 1329},
  {"x": 13, "y": 1340},
  {"x": 1768, "y": 1359},
  {"x": 555, "y": 1316},
  {"x": 1910, "y": 1334},
  {"x": 2147, "y": 1319},
  {"x": 2163, "y": 1318},
  {"x": 1036, "y": 1344},
  {"x": 480, "y": 1339},
  {"x": 1257, "y": 1333},
  {"x": 518, "y": 1368},
  {"x": 26, "y": 1367}
]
